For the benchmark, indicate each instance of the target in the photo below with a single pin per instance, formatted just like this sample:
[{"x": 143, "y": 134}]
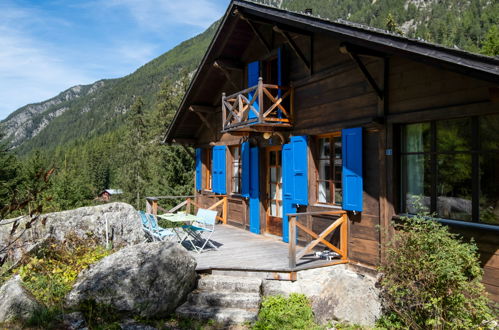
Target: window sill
[
  {"x": 329, "y": 206},
  {"x": 456, "y": 223}
]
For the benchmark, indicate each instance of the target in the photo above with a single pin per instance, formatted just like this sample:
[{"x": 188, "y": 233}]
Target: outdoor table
[{"x": 180, "y": 218}]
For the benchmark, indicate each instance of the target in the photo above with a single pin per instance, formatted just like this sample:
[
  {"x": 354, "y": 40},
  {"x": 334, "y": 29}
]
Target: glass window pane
[
  {"x": 416, "y": 137},
  {"x": 273, "y": 174},
  {"x": 322, "y": 198},
  {"x": 273, "y": 209},
  {"x": 489, "y": 132},
  {"x": 454, "y": 186},
  {"x": 489, "y": 188},
  {"x": 337, "y": 148},
  {"x": 454, "y": 135},
  {"x": 273, "y": 191},
  {"x": 324, "y": 147},
  {"x": 416, "y": 184},
  {"x": 272, "y": 159},
  {"x": 338, "y": 194}
]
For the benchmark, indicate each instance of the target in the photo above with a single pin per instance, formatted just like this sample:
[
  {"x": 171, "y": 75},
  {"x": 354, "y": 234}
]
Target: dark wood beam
[
  {"x": 294, "y": 47},
  {"x": 201, "y": 108},
  {"x": 258, "y": 35},
  {"x": 206, "y": 122},
  {"x": 367, "y": 74},
  {"x": 226, "y": 74}
]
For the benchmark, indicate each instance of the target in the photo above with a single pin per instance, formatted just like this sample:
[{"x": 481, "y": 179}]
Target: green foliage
[
  {"x": 431, "y": 279},
  {"x": 491, "y": 43},
  {"x": 51, "y": 273},
  {"x": 278, "y": 312}
]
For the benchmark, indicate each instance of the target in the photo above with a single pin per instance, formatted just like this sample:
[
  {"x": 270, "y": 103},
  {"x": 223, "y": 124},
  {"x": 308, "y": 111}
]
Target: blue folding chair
[
  {"x": 205, "y": 224},
  {"x": 152, "y": 229}
]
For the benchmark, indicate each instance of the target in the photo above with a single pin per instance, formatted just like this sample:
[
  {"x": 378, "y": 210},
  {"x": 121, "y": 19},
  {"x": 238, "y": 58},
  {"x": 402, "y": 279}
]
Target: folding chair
[
  {"x": 151, "y": 227},
  {"x": 204, "y": 224}
]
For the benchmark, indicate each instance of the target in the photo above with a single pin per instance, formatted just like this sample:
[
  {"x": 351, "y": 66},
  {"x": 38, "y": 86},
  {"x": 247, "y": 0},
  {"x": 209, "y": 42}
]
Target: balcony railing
[{"x": 261, "y": 106}]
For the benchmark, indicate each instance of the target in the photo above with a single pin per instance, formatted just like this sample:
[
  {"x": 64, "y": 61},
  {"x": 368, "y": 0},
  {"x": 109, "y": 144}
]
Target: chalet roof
[
  {"x": 112, "y": 191},
  {"x": 373, "y": 39}
]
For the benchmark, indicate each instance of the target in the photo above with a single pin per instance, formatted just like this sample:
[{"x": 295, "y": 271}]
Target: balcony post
[
  {"x": 224, "y": 111},
  {"x": 260, "y": 100}
]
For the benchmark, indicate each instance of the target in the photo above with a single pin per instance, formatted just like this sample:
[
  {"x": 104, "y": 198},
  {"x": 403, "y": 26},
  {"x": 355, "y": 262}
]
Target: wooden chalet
[{"x": 331, "y": 130}]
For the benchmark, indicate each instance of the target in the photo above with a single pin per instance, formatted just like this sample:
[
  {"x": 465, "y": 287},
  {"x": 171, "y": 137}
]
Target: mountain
[
  {"x": 87, "y": 111},
  {"x": 84, "y": 112}
]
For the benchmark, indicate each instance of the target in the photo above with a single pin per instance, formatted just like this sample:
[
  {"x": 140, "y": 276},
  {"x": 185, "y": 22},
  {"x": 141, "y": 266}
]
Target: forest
[{"x": 112, "y": 138}]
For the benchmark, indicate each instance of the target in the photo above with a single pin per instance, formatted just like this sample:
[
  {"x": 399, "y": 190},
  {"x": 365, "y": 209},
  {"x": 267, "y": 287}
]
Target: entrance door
[{"x": 274, "y": 190}]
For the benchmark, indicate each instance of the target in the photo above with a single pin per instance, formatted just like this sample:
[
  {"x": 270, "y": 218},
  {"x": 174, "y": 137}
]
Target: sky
[{"x": 47, "y": 46}]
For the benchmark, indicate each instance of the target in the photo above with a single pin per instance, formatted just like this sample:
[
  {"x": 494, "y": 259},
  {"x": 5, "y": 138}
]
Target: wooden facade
[{"x": 342, "y": 76}]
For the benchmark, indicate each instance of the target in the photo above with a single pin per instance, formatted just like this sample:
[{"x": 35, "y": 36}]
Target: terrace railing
[
  {"x": 341, "y": 223},
  {"x": 187, "y": 205},
  {"x": 258, "y": 106}
]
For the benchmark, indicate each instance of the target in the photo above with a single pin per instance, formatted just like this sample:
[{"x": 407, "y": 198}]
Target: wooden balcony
[{"x": 263, "y": 107}]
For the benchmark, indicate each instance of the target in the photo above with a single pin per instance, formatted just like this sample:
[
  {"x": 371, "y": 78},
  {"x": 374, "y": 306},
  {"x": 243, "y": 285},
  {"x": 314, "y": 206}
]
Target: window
[
  {"x": 451, "y": 167},
  {"x": 329, "y": 189},
  {"x": 208, "y": 165},
  {"x": 235, "y": 181}
]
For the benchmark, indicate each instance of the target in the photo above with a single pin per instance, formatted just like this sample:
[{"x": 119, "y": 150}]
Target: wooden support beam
[
  {"x": 206, "y": 122},
  {"x": 258, "y": 35},
  {"x": 227, "y": 75},
  {"x": 202, "y": 108},
  {"x": 367, "y": 74},
  {"x": 292, "y": 242},
  {"x": 294, "y": 47},
  {"x": 229, "y": 64}
]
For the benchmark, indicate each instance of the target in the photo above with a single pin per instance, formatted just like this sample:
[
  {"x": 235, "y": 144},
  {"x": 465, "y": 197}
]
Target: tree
[
  {"x": 9, "y": 177},
  {"x": 490, "y": 45},
  {"x": 134, "y": 147}
]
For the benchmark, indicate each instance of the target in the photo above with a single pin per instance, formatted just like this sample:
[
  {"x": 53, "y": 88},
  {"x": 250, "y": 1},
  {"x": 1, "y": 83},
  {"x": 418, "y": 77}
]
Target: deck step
[
  {"x": 220, "y": 315},
  {"x": 225, "y": 299},
  {"x": 220, "y": 283}
]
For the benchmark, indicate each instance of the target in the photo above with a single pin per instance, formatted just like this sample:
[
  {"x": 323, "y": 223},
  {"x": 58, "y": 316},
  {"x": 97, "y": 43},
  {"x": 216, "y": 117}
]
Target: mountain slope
[{"x": 83, "y": 112}]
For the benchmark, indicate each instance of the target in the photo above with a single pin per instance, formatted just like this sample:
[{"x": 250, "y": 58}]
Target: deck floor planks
[{"x": 239, "y": 249}]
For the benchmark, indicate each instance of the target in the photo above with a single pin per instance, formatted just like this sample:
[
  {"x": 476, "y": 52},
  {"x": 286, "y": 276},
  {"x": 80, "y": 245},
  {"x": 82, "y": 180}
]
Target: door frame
[{"x": 267, "y": 187}]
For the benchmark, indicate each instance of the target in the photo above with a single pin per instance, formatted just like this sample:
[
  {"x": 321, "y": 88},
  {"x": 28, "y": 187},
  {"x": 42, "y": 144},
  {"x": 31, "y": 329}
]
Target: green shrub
[
  {"x": 432, "y": 279},
  {"x": 278, "y": 312}
]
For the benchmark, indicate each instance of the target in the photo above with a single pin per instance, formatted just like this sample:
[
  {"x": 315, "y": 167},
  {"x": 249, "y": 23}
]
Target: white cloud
[
  {"x": 154, "y": 14},
  {"x": 30, "y": 73}
]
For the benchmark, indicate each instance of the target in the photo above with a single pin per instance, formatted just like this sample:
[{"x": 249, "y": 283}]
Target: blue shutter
[
  {"x": 254, "y": 190},
  {"x": 199, "y": 165},
  {"x": 219, "y": 170},
  {"x": 300, "y": 169},
  {"x": 245, "y": 160},
  {"x": 352, "y": 181},
  {"x": 253, "y": 75},
  {"x": 288, "y": 188},
  {"x": 214, "y": 170}
]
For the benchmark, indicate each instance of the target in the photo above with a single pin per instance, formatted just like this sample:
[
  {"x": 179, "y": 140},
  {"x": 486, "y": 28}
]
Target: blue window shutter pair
[
  {"x": 199, "y": 175},
  {"x": 219, "y": 170},
  {"x": 253, "y": 75},
  {"x": 245, "y": 160},
  {"x": 295, "y": 170},
  {"x": 351, "y": 139}
]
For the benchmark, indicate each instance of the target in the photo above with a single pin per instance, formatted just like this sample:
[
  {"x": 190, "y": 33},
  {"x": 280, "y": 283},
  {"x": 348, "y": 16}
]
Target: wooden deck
[{"x": 242, "y": 250}]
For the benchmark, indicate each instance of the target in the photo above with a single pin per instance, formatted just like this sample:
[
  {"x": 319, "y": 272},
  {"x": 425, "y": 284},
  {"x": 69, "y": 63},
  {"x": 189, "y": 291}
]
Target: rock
[
  {"x": 148, "y": 279},
  {"x": 16, "y": 303},
  {"x": 123, "y": 227},
  {"x": 74, "y": 321},
  {"x": 131, "y": 324},
  {"x": 337, "y": 293}
]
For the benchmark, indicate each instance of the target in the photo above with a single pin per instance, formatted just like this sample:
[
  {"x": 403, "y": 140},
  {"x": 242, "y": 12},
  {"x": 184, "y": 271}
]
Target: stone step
[
  {"x": 220, "y": 283},
  {"x": 225, "y": 299},
  {"x": 220, "y": 315}
]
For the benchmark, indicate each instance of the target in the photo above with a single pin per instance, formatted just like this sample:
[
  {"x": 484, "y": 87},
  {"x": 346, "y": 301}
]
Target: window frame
[
  {"x": 240, "y": 169},
  {"x": 475, "y": 152},
  {"x": 332, "y": 183},
  {"x": 207, "y": 169}
]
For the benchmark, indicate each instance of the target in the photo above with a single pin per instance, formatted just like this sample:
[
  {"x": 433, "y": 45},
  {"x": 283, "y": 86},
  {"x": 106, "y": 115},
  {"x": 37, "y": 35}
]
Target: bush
[
  {"x": 431, "y": 279},
  {"x": 278, "y": 312}
]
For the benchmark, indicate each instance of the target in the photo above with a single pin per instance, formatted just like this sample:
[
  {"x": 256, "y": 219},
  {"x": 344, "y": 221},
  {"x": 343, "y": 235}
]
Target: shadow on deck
[{"x": 241, "y": 250}]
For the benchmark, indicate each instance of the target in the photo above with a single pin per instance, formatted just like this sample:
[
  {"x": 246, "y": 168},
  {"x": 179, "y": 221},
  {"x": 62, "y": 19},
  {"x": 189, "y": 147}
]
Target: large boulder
[
  {"x": 148, "y": 279},
  {"x": 337, "y": 293},
  {"x": 16, "y": 303},
  {"x": 116, "y": 223}
]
